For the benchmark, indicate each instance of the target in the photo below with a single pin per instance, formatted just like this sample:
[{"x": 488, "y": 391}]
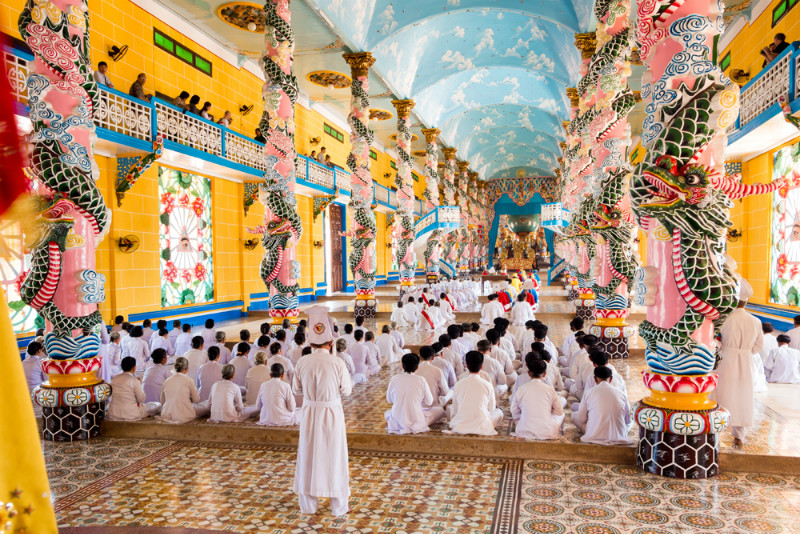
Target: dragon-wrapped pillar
[
  {"x": 431, "y": 195},
  {"x": 404, "y": 218},
  {"x": 63, "y": 284},
  {"x": 282, "y": 226},
  {"x": 449, "y": 257},
  {"x": 585, "y": 258},
  {"x": 362, "y": 244},
  {"x": 681, "y": 199},
  {"x": 463, "y": 243},
  {"x": 472, "y": 189}
]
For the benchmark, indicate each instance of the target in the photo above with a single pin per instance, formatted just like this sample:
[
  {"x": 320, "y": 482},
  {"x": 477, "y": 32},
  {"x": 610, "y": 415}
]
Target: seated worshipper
[
  {"x": 574, "y": 349},
  {"x": 580, "y": 362},
  {"x": 175, "y": 332},
  {"x": 275, "y": 400},
  {"x": 435, "y": 311},
  {"x": 209, "y": 373},
  {"x": 242, "y": 363},
  {"x": 139, "y": 349},
  {"x": 504, "y": 296},
  {"x": 540, "y": 335},
  {"x": 276, "y": 356},
  {"x": 498, "y": 354},
  {"x": 296, "y": 352},
  {"x": 183, "y": 343},
  {"x": 118, "y": 320},
  {"x": 209, "y": 333},
  {"x": 225, "y": 401},
  {"x": 348, "y": 335},
  {"x": 360, "y": 324},
  {"x": 474, "y": 408},
  {"x": 262, "y": 345},
  {"x": 448, "y": 308},
  {"x": 147, "y": 330},
  {"x": 32, "y": 364},
  {"x": 491, "y": 310},
  {"x": 341, "y": 352},
  {"x": 783, "y": 364},
  {"x": 493, "y": 368},
  {"x": 112, "y": 358},
  {"x": 257, "y": 375},
  {"x": 225, "y": 356},
  {"x": 522, "y": 311},
  {"x": 412, "y": 402},
  {"x": 155, "y": 376},
  {"x": 387, "y": 345},
  {"x": 507, "y": 343},
  {"x": 473, "y": 334},
  {"x": 536, "y": 406},
  {"x": 450, "y": 355},
  {"x": 197, "y": 357},
  {"x": 397, "y": 335},
  {"x": 428, "y": 320},
  {"x": 553, "y": 375},
  {"x": 280, "y": 337},
  {"x": 527, "y": 338},
  {"x": 604, "y": 415},
  {"x": 411, "y": 311},
  {"x": 180, "y": 401},
  {"x": 460, "y": 346},
  {"x": 437, "y": 382},
  {"x": 399, "y": 315},
  {"x": 794, "y": 333},
  {"x": 444, "y": 365},
  {"x": 759, "y": 373},
  {"x": 161, "y": 341},
  {"x": 375, "y": 359},
  {"x": 530, "y": 290},
  {"x": 128, "y": 399},
  {"x": 575, "y": 326},
  {"x": 244, "y": 337},
  {"x": 180, "y": 100},
  {"x": 600, "y": 359},
  {"x": 125, "y": 338},
  {"x": 360, "y": 356}
]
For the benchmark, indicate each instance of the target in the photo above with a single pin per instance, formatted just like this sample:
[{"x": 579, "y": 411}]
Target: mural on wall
[
  {"x": 187, "y": 274},
  {"x": 785, "y": 251}
]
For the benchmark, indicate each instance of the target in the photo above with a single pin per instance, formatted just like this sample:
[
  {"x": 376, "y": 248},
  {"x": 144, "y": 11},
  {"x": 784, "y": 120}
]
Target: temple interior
[{"x": 567, "y": 233}]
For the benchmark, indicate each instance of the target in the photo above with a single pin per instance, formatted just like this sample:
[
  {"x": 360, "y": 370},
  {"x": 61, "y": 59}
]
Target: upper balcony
[{"x": 126, "y": 124}]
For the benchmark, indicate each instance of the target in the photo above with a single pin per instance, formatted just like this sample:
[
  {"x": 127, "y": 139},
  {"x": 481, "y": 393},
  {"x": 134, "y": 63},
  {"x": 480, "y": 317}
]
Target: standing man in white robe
[
  {"x": 492, "y": 310},
  {"x": 741, "y": 338},
  {"x": 322, "y": 461}
]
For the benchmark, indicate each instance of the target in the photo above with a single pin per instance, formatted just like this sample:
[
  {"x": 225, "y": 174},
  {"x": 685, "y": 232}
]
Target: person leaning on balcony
[
  {"x": 328, "y": 161},
  {"x": 101, "y": 74},
  {"x": 204, "y": 112},
  {"x": 321, "y": 156},
  {"x": 774, "y": 49},
  {"x": 137, "y": 88},
  {"x": 192, "y": 107},
  {"x": 180, "y": 100},
  {"x": 259, "y": 136},
  {"x": 313, "y": 155},
  {"x": 226, "y": 120}
]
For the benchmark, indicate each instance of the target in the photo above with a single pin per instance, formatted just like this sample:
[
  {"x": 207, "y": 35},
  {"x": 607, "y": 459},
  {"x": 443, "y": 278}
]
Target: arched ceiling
[{"x": 491, "y": 74}]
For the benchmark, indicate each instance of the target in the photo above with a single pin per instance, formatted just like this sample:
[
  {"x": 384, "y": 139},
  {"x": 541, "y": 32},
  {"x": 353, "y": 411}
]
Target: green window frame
[
  {"x": 393, "y": 164},
  {"x": 725, "y": 62},
  {"x": 166, "y": 43},
  {"x": 415, "y": 176},
  {"x": 373, "y": 155},
  {"x": 333, "y": 132},
  {"x": 781, "y": 9}
]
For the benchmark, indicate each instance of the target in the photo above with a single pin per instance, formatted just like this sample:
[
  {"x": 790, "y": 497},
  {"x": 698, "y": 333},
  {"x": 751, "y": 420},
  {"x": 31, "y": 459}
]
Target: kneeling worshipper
[
  {"x": 741, "y": 338},
  {"x": 605, "y": 415},
  {"x": 759, "y": 372},
  {"x": 399, "y": 315},
  {"x": 429, "y": 319},
  {"x": 536, "y": 406},
  {"x": 276, "y": 402},
  {"x": 783, "y": 364},
  {"x": 179, "y": 397},
  {"x": 127, "y": 395},
  {"x": 209, "y": 373},
  {"x": 256, "y": 376},
  {"x": 155, "y": 375},
  {"x": 448, "y": 307},
  {"x": 492, "y": 310},
  {"x": 322, "y": 457},
  {"x": 474, "y": 409},
  {"x": 434, "y": 376},
  {"x": 575, "y": 326},
  {"x": 411, "y": 311},
  {"x": 522, "y": 311},
  {"x": 226, "y": 400},
  {"x": 388, "y": 346},
  {"x": 413, "y": 404}
]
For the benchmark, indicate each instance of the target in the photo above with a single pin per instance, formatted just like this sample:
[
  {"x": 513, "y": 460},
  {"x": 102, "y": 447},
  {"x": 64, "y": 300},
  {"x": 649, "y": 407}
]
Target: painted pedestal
[
  {"x": 365, "y": 305},
  {"x": 584, "y": 303},
  {"x": 612, "y": 330},
  {"x": 73, "y": 399},
  {"x": 572, "y": 288},
  {"x": 679, "y": 426}
]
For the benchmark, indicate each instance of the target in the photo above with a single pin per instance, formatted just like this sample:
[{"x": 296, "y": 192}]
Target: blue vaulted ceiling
[{"x": 491, "y": 74}]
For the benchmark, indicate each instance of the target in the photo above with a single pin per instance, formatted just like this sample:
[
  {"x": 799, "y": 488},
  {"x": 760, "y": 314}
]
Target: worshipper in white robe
[
  {"x": 275, "y": 401},
  {"x": 437, "y": 382},
  {"x": 401, "y": 341},
  {"x": 348, "y": 335},
  {"x": 276, "y": 356},
  {"x": 176, "y": 331},
  {"x": 448, "y": 308},
  {"x": 600, "y": 359},
  {"x": 161, "y": 341},
  {"x": 209, "y": 334},
  {"x": 526, "y": 338},
  {"x": 209, "y": 373},
  {"x": 759, "y": 373},
  {"x": 540, "y": 335},
  {"x": 580, "y": 362},
  {"x": 242, "y": 363},
  {"x": 32, "y": 365},
  {"x": 553, "y": 376},
  {"x": 322, "y": 457},
  {"x": 257, "y": 375},
  {"x": 472, "y": 335},
  {"x": 493, "y": 368},
  {"x": 605, "y": 415},
  {"x": 399, "y": 315},
  {"x": 491, "y": 310},
  {"x": 521, "y": 312},
  {"x": 450, "y": 355},
  {"x": 360, "y": 358},
  {"x": 427, "y": 321},
  {"x": 155, "y": 376},
  {"x": 138, "y": 349},
  {"x": 444, "y": 365},
  {"x": 183, "y": 343},
  {"x": 412, "y": 401},
  {"x": 147, "y": 330},
  {"x": 127, "y": 396},
  {"x": 360, "y": 324},
  {"x": 536, "y": 406},
  {"x": 474, "y": 408},
  {"x": 225, "y": 355},
  {"x": 342, "y": 354},
  {"x": 794, "y": 333},
  {"x": 741, "y": 338},
  {"x": 112, "y": 358},
  {"x": 179, "y": 397},
  {"x": 783, "y": 364},
  {"x": 225, "y": 400},
  {"x": 296, "y": 352},
  {"x": 118, "y": 320},
  {"x": 575, "y": 326},
  {"x": 374, "y": 359},
  {"x": 388, "y": 346},
  {"x": 501, "y": 356},
  {"x": 411, "y": 312},
  {"x": 197, "y": 356}
]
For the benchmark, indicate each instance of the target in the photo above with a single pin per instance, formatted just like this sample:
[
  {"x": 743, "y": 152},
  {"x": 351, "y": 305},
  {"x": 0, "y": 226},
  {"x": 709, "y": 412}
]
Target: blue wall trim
[{"x": 178, "y": 312}]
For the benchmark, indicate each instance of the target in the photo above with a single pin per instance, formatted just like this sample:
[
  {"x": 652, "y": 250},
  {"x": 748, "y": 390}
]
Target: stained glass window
[
  {"x": 187, "y": 271},
  {"x": 14, "y": 266},
  {"x": 785, "y": 250}
]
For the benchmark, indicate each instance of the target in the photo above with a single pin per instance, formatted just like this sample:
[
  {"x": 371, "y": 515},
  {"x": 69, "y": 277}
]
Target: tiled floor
[{"x": 109, "y": 482}]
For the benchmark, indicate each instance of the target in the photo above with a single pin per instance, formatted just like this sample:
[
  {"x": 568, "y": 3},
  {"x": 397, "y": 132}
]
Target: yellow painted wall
[{"x": 758, "y": 34}]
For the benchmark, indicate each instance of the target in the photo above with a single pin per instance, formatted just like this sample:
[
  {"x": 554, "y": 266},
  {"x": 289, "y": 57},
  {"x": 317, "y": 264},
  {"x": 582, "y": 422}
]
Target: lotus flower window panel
[
  {"x": 14, "y": 266},
  {"x": 785, "y": 254},
  {"x": 187, "y": 271}
]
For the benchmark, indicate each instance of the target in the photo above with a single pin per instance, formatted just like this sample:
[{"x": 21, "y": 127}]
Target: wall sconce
[
  {"x": 388, "y": 245},
  {"x": 387, "y": 175},
  {"x": 244, "y": 109},
  {"x": 739, "y": 76},
  {"x": 314, "y": 141},
  {"x": 118, "y": 52},
  {"x": 734, "y": 235},
  {"x": 128, "y": 244},
  {"x": 317, "y": 244},
  {"x": 251, "y": 243}
]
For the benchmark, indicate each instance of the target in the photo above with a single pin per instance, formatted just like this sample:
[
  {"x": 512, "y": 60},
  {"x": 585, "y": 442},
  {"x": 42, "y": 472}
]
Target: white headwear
[
  {"x": 320, "y": 325},
  {"x": 745, "y": 289}
]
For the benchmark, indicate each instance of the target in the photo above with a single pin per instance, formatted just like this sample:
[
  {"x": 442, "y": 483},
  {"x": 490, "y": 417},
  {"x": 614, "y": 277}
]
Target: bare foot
[{"x": 737, "y": 443}]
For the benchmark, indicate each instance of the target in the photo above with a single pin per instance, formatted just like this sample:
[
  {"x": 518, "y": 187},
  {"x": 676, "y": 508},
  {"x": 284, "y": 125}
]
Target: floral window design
[
  {"x": 14, "y": 267},
  {"x": 187, "y": 273},
  {"x": 785, "y": 250}
]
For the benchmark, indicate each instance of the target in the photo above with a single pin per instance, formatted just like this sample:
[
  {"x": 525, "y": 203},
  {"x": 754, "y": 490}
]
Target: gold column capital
[
  {"x": 403, "y": 107},
  {"x": 463, "y": 166},
  {"x": 586, "y": 43},
  {"x": 449, "y": 153},
  {"x": 440, "y": 165},
  {"x": 565, "y": 125},
  {"x": 637, "y": 96},
  {"x": 360, "y": 62},
  {"x": 431, "y": 134},
  {"x": 473, "y": 176},
  {"x": 574, "y": 98},
  {"x": 563, "y": 146}
]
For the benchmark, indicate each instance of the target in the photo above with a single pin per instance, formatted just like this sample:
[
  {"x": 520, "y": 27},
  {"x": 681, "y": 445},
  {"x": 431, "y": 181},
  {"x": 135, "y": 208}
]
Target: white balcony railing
[
  {"x": 188, "y": 129},
  {"x": 763, "y": 92},
  {"x": 244, "y": 151},
  {"x": 124, "y": 115}
]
